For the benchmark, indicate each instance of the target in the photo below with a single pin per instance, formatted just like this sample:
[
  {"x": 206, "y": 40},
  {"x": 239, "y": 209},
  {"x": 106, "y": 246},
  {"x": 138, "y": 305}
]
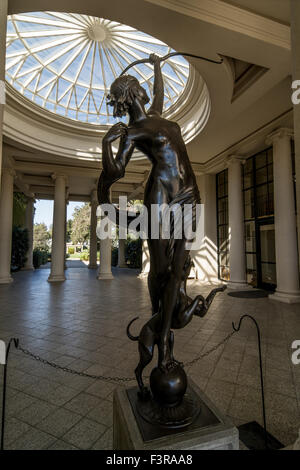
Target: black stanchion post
[
  {"x": 16, "y": 341},
  {"x": 261, "y": 371}
]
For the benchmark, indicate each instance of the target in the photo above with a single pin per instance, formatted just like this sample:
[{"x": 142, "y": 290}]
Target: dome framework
[{"x": 66, "y": 62}]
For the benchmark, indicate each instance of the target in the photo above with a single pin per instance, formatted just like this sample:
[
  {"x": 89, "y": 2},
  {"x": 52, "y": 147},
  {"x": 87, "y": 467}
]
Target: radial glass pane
[{"x": 66, "y": 62}]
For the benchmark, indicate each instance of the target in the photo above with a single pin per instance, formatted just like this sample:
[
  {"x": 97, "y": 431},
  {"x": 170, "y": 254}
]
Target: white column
[
  {"x": 65, "y": 238},
  {"x": 206, "y": 257},
  {"x": 58, "y": 231},
  {"x": 93, "y": 235},
  {"x": 6, "y": 218},
  {"x": 287, "y": 270},
  {"x": 121, "y": 254},
  {"x": 295, "y": 39},
  {"x": 105, "y": 260},
  {"x": 3, "y": 21},
  {"x": 145, "y": 260},
  {"x": 104, "y": 271},
  {"x": 29, "y": 225},
  {"x": 237, "y": 256}
]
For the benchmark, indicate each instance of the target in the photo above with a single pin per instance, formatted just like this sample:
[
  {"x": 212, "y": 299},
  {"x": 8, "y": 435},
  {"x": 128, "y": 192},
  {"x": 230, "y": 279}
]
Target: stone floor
[{"x": 81, "y": 324}]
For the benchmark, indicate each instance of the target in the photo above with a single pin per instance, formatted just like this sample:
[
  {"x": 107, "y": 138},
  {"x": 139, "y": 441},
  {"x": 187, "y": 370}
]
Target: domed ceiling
[{"x": 65, "y": 63}]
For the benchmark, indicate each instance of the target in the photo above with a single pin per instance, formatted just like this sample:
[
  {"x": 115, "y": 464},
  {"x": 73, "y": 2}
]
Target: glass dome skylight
[{"x": 66, "y": 62}]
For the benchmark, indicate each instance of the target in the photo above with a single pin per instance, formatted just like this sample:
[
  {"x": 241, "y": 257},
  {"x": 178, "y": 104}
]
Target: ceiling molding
[{"x": 231, "y": 17}]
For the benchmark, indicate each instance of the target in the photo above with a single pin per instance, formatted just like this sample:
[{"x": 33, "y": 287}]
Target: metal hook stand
[
  {"x": 261, "y": 370},
  {"x": 16, "y": 343}
]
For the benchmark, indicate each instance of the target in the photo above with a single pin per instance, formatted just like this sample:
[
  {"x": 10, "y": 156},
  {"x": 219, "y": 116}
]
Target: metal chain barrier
[
  {"x": 40, "y": 359},
  {"x": 209, "y": 351},
  {"x": 129, "y": 379},
  {"x": 36, "y": 357},
  {"x": 73, "y": 371}
]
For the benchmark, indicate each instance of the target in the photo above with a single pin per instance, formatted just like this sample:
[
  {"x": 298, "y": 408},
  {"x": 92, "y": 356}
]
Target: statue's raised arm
[{"x": 158, "y": 88}]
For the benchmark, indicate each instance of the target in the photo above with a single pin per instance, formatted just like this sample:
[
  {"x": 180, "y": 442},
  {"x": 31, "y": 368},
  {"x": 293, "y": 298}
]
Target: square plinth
[{"x": 210, "y": 430}]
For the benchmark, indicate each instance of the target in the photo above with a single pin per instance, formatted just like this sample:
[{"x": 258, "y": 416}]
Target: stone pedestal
[{"x": 211, "y": 430}]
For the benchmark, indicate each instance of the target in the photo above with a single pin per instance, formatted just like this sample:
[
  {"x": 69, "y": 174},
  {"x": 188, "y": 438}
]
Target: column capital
[
  {"x": 279, "y": 134},
  {"x": 235, "y": 159},
  {"x": 54, "y": 176}
]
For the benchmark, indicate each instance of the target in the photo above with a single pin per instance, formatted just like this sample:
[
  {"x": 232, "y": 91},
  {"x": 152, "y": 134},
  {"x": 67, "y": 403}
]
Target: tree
[
  {"x": 19, "y": 209},
  {"x": 81, "y": 224},
  {"x": 41, "y": 236},
  {"x": 69, "y": 230}
]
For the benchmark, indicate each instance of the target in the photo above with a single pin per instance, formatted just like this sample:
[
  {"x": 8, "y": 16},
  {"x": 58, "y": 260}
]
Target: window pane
[
  {"x": 248, "y": 167},
  {"x": 249, "y": 204},
  {"x": 248, "y": 180},
  {"x": 220, "y": 178},
  {"x": 251, "y": 269},
  {"x": 250, "y": 236},
  {"x": 222, "y": 218},
  {"x": 225, "y": 273},
  {"x": 268, "y": 273},
  {"x": 261, "y": 160},
  {"x": 270, "y": 155},
  {"x": 270, "y": 207},
  {"x": 270, "y": 172},
  {"x": 262, "y": 200},
  {"x": 261, "y": 175},
  {"x": 221, "y": 190}
]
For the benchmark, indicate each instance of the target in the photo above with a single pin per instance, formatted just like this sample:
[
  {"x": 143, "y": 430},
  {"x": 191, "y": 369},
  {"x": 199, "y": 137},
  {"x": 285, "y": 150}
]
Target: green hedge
[
  {"x": 114, "y": 256},
  {"x": 85, "y": 256},
  {"x": 133, "y": 254},
  {"x": 71, "y": 250},
  {"x": 20, "y": 245},
  {"x": 40, "y": 257}
]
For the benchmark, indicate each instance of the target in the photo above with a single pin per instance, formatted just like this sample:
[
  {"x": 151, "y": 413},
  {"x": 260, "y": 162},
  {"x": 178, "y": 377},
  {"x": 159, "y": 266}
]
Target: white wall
[{"x": 206, "y": 258}]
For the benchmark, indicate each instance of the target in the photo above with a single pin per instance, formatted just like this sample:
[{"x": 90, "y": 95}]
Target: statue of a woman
[{"x": 171, "y": 181}]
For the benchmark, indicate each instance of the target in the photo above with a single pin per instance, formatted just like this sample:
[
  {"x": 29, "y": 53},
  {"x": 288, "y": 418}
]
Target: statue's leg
[
  {"x": 158, "y": 268},
  {"x": 185, "y": 316},
  {"x": 154, "y": 291},
  {"x": 169, "y": 299},
  {"x": 145, "y": 358},
  {"x": 203, "y": 309}
]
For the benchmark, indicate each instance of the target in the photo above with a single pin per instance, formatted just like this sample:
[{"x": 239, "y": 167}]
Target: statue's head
[{"x": 123, "y": 91}]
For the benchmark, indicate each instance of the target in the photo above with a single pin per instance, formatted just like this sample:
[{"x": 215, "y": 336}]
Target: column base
[
  {"x": 27, "y": 268},
  {"x": 56, "y": 278},
  {"x": 93, "y": 266},
  {"x": 238, "y": 285},
  {"x": 286, "y": 297},
  {"x": 105, "y": 276},
  {"x": 6, "y": 280},
  {"x": 143, "y": 275}
]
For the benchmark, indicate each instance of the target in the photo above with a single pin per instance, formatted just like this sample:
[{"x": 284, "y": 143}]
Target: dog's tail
[{"x": 133, "y": 338}]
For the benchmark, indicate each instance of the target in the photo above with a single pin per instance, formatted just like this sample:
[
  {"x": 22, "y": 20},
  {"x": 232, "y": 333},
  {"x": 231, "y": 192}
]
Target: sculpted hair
[{"x": 123, "y": 91}]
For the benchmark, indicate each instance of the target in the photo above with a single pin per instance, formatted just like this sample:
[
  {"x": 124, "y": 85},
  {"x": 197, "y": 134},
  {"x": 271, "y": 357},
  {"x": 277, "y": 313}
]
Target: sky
[{"x": 44, "y": 211}]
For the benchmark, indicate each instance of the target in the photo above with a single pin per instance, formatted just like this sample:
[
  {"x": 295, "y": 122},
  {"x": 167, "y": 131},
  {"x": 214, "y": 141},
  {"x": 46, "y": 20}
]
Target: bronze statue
[{"x": 171, "y": 181}]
